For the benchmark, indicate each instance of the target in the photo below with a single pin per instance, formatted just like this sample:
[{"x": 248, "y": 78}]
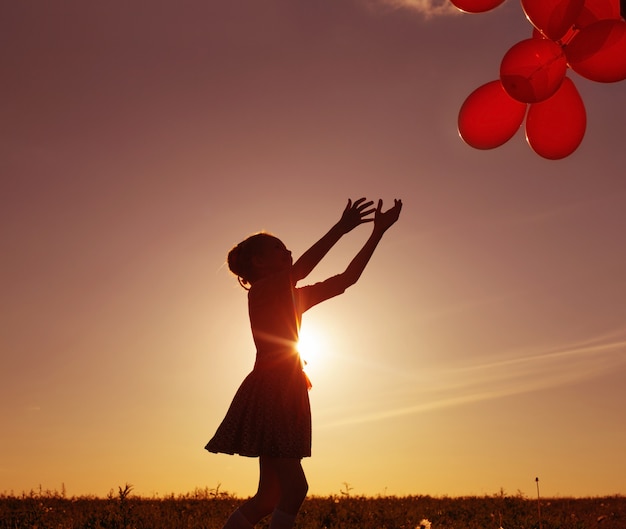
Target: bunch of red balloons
[{"x": 586, "y": 36}]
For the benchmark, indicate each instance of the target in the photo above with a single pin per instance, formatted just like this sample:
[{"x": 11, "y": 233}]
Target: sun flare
[{"x": 311, "y": 345}]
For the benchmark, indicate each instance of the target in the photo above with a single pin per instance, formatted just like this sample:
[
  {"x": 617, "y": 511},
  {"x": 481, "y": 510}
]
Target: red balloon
[
  {"x": 555, "y": 127},
  {"x": 476, "y": 6},
  {"x": 552, "y": 17},
  {"x": 595, "y": 10},
  {"x": 533, "y": 69},
  {"x": 489, "y": 117},
  {"x": 598, "y": 52}
]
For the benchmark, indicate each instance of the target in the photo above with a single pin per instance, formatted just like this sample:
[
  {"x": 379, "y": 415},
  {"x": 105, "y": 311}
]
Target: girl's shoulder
[{"x": 271, "y": 285}]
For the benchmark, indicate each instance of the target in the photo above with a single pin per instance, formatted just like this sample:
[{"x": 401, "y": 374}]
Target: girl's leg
[
  {"x": 267, "y": 495},
  {"x": 293, "y": 489},
  {"x": 282, "y": 489}
]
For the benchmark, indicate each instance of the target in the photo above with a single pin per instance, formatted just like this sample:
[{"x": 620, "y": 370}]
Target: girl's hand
[
  {"x": 355, "y": 214},
  {"x": 383, "y": 220}
]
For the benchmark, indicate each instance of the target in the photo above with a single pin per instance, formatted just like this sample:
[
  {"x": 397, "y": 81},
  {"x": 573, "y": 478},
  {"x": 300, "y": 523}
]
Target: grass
[{"x": 209, "y": 508}]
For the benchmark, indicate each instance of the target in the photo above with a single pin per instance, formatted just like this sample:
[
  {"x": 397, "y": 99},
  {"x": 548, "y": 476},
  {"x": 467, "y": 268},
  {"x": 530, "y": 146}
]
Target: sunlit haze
[{"x": 484, "y": 345}]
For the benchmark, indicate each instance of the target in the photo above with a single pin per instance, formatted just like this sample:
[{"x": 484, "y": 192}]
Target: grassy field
[{"x": 208, "y": 509}]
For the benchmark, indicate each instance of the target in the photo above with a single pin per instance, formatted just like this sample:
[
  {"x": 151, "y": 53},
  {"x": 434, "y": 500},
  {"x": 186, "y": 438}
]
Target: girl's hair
[{"x": 240, "y": 258}]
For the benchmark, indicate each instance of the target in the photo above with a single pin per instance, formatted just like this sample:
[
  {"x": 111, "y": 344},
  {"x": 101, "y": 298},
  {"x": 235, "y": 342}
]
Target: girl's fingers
[{"x": 359, "y": 205}]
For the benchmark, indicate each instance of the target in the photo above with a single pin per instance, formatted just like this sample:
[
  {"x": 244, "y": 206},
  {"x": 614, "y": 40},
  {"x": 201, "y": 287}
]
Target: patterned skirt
[{"x": 270, "y": 415}]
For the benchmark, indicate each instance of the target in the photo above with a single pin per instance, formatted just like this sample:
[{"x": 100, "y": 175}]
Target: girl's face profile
[{"x": 275, "y": 256}]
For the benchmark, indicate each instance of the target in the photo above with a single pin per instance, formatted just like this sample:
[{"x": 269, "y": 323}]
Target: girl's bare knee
[
  {"x": 292, "y": 498},
  {"x": 304, "y": 489}
]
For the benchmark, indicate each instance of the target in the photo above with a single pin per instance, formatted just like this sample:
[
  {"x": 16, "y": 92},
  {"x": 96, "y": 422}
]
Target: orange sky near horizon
[{"x": 485, "y": 344}]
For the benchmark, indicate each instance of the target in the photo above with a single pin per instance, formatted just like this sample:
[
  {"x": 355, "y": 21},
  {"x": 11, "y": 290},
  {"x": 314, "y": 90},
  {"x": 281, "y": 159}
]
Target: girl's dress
[{"x": 270, "y": 414}]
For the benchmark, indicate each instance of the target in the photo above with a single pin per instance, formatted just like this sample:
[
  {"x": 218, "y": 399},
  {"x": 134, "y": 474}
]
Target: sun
[{"x": 311, "y": 345}]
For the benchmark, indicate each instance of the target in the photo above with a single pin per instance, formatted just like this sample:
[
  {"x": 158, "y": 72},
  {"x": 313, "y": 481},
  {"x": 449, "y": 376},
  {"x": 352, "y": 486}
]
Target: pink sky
[{"x": 485, "y": 344}]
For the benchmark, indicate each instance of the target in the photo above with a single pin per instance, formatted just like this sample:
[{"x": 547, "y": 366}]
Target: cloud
[
  {"x": 427, "y": 8},
  {"x": 525, "y": 372}
]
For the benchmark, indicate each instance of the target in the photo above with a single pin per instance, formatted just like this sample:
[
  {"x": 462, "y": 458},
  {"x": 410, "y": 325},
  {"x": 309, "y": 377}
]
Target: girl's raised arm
[
  {"x": 383, "y": 220},
  {"x": 353, "y": 215},
  {"x": 333, "y": 286}
]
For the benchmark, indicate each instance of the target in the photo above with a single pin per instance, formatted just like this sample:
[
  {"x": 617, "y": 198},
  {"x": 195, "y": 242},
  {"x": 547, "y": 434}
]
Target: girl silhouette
[{"x": 270, "y": 416}]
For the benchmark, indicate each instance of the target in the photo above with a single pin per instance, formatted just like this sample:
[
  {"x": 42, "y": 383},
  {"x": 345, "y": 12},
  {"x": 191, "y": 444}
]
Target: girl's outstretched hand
[
  {"x": 383, "y": 220},
  {"x": 355, "y": 214}
]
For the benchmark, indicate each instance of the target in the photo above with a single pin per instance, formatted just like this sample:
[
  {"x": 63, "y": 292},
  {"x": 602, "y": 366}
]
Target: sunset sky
[{"x": 485, "y": 344}]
